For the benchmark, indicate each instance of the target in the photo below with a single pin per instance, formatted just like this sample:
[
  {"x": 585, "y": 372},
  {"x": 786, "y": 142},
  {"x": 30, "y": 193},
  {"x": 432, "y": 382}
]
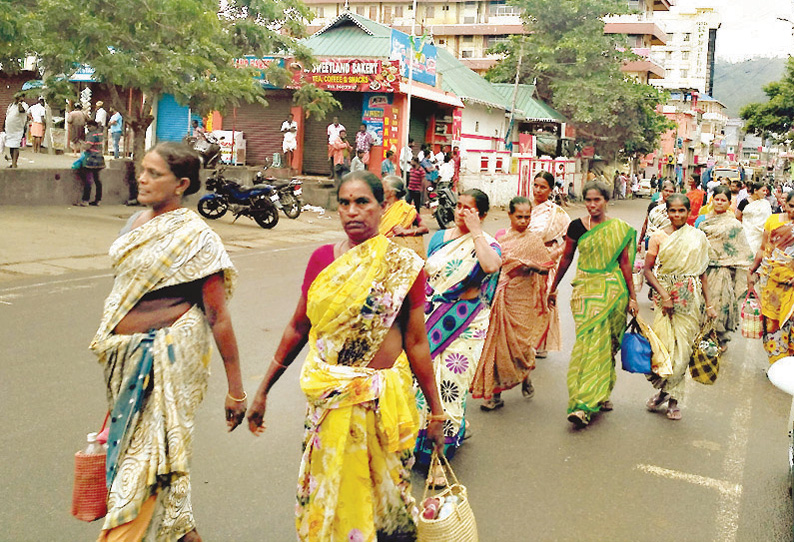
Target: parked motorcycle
[
  {"x": 258, "y": 203},
  {"x": 289, "y": 192},
  {"x": 442, "y": 201},
  {"x": 208, "y": 149},
  {"x": 781, "y": 374}
]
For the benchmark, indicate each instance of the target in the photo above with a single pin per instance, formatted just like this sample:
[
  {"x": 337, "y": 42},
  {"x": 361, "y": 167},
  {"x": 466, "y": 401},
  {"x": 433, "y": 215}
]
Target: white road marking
[{"x": 722, "y": 486}]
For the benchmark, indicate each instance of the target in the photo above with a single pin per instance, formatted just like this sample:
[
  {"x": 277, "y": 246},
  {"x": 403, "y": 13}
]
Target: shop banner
[
  {"x": 373, "y": 115},
  {"x": 352, "y": 75},
  {"x": 261, "y": 64},
  {"x": 424, "y": 56}
]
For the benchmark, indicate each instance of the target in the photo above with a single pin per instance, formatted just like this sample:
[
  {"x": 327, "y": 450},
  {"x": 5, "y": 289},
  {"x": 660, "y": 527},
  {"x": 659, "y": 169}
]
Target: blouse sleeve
[{"x": 320, "y": 259}]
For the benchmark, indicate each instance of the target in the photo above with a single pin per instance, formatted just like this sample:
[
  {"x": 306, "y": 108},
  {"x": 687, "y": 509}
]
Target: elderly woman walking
[
  {"x": 400, "y": 221},
  {"x": 168, "y": 302}
]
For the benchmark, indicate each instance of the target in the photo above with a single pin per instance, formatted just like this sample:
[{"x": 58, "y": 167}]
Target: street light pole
[{"x": 407, "y": 137}]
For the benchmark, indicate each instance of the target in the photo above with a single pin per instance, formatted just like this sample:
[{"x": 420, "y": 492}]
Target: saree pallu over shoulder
[
  {"x": 361, "y": 423},
  {"x": 728, "y": 245},
  {"x": 684, "y": 252},
  {"x": 399, "y": 213},
  {"x": 550, "y": 221},
  {"x": 173, "y": 248}
]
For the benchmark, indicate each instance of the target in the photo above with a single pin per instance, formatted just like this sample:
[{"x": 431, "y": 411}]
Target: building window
[
  {"x": 398, "y": 11},
  {"x": 442, "y": 42},
  {"x": 476, "y": 126},
  {"x": 410, "y": 7},
  {"x": 684, "y": 55},
  {"x": 687, "y": 36},
  {"x": 467, "y": 39},
  {"x": 467, "y": 54},
  {"x": 360, "y": 10},
  {"x": 684, "y": 74},
  {"x": 469, "y": 20},
  {"x": 387, "y": 15},
  {"x": 445, "y": 7},
  {"x": 373, "y": 13},
  {"x": 430, "y": 12},
  {"x": 320, "y": 12}
]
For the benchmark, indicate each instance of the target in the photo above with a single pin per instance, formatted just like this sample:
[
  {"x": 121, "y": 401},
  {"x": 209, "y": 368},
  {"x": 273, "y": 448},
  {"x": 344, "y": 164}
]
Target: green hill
[{"x": 739, "y": 83}]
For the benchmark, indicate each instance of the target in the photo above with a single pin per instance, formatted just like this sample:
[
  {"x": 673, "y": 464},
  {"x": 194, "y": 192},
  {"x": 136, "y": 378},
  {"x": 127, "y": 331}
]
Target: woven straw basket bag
[{"x": 460, "y": 525}]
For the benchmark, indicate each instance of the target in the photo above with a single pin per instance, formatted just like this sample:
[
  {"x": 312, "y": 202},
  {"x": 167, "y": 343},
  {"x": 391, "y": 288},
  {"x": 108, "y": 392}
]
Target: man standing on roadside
[
  {"x": 101, "y": 118},
  {"x": 16, "y": 118},
  {"x": 116, "y": 129},
  {"x": 38, "y": 115},
  {"x": 76, "y": 120},
  {"x": 363, "y": 143},
  {"x": 290, "y": 130},
  {"x": 406, "y": 155},
  {"x": 340, "y": 155},
  {"x": 333, "y": 131}
]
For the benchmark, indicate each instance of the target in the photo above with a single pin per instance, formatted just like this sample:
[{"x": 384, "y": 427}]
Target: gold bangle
[
  {"x": 279, "y": 364},
  {"x": 235, "y": 399},
  {"x": 437, "y": 418}
]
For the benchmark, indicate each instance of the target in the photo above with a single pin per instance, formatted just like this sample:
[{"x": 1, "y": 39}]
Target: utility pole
[{"x": 410, "y": 80}]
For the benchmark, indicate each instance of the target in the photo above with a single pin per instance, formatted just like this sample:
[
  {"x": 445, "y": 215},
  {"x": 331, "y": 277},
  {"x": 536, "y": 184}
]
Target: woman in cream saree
[
  {"x": 361, "y": 312},
  {"x": 680, "y": 254}
]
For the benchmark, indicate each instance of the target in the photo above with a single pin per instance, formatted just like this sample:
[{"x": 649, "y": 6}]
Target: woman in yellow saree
[
  {"x": 400, "y": 221},
  {"x": 775, "y": 263},
  {"x": 362, "y": 313},
  {"x": 602, "y": 293},
  {"x": 680, "y": 255},
  {"x": 172, "y": 278}
]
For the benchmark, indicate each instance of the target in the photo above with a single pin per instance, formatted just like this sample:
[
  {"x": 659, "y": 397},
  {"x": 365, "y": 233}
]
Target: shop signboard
[
  {"x": 352, "y": 75},
  {"x": 424, "y": 60},
  {"x": 261, "y": 64}
]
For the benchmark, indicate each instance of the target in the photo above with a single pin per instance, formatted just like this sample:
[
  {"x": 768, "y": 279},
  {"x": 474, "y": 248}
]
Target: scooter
[
  {"x": 289, "y": 192},
  {"x": 258, "y": 203},
  {"x": 208, "y": 149},
  {"x": 442, "y": 201},
  {"x": 781, "y": 374}
]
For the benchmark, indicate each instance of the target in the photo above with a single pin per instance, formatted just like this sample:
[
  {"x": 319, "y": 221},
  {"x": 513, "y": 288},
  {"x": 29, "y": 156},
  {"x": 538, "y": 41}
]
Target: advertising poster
[
  {"x": 260, "y": 64},
  {"x": 425, "y": 56}
]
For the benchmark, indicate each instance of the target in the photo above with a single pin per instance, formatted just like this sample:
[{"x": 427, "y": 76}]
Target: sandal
[
  {"x": 578, "y": 418},
  {"x": 656, "y": 402},
  {"x": 607, "y": 406},
  {"x": 492, "y": 404},
  {"x": 527, "y": 389},
  {"x": 673, "y": 413}
]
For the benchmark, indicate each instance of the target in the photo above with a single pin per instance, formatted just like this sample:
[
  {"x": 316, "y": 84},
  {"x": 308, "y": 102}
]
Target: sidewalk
[{"x": 54, "y": 240}]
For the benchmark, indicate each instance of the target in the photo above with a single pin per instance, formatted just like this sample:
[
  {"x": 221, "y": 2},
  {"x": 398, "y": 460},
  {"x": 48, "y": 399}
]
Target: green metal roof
[
  {"x": 465, "y": 83},
  {"x": 527, "y": 107},
  {"x": 352, "y": 36}
]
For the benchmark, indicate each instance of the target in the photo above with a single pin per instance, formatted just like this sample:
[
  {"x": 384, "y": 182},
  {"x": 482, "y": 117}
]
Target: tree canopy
[
  {"x": 576, "y": 69},
  {"x": 181, "y": 47},
  {"x": 777, "y": 113}
]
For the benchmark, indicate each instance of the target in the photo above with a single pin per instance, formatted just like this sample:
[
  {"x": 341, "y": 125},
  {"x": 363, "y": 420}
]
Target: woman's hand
[
  {"x": 751, "y": 285},
  {"x": 668, "y": 308},
  {"x": 633, "y": 308},
  {"x": 235, "y": 411},
  {"x": 399, "y": 231},
  {"x": 711, "y": 312},
  {"x": 435, "y": 432},
  {"x": 472, "y": 220},
  {"x": 256, "y": 413},
  {"x": 551, "y": 300}
]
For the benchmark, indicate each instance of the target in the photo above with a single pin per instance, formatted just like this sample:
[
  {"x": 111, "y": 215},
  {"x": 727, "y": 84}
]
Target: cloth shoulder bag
[
  {"x": 704, "y": 365},
  {"x": 459, "y": 525},
  {"x": 90, "y": 493},
  {"x": 752, "y": 326},
  {"x": 635, "y": 350}
]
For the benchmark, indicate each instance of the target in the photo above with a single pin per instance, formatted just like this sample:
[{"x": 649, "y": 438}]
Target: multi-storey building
[
  {"x": 643, "y": 33},
  {"x": 689, "y": 53},
  {"x": 466, "y": 29}
]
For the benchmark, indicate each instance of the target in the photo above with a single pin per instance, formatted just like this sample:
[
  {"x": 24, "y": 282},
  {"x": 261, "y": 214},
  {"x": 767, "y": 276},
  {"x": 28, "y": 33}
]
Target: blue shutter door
[{"x": 171, "y": 119}]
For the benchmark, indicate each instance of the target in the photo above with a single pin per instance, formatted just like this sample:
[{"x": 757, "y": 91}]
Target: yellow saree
[
  {"x": 361, "y": 423},
  {"x": 402, "y": 214}
]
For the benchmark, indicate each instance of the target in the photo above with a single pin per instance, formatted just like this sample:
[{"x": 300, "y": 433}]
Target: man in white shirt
[
  {"x": 101, "y": 118},
  {"x": 38, "y": 115},
  {"x": 333, "y": 132},
  {"x": 406, "y": 155},
  {"x": 290, "y": 130}
]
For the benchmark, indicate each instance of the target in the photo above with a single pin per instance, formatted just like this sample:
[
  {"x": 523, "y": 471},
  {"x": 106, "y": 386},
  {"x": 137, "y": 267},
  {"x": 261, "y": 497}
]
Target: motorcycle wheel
[
  {"x": 212, "y": 208},
  {"x": 290, "y": 206},
  {"x": 265, "y": 215},
  {"x": 444, "y": 217}
]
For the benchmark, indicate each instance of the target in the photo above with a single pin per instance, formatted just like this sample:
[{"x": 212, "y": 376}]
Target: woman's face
[
  {"x": 790, "y": 209},
  {"x": 389, "y": 195},
  {"x": 677, "y": 213},
  {"x": 595, "y": 202},
  {"x": 541, "y": 189},
  {"x": 466, "y": 204},
  {"x": 519, "y": 220},
  {"x": 721, "y": 203},
  {"x": 667, "y": 191},
  {"x": 359, "y": 211},
  {"x": 760, "y": 193},
  {"x": 158, "y": 187}
]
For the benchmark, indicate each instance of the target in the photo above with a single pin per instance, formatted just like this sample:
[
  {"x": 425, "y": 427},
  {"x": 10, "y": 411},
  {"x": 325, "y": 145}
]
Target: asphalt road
[{"x": 718, "y": 475}]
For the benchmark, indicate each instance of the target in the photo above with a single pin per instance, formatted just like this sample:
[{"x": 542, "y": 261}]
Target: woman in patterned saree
[
  {"x": 362, "y": 312},
  {"x": 603, "y": 291},
  {"x": 519, "y": 316},
  {"x": 462, "y": 271},
  {"x": 550, "y": 221},
  {"x": 753, "y": 212},
  {"x": 173, "y": 277},
  {"x": 680, "y": 254},
  {"x": 775, "y": 263},
  {"x": 729, "y": 258},
  {"x": 400, "y": 221}
]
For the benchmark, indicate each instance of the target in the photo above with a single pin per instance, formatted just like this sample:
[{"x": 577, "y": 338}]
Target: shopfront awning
[{"x": 431, "y": 94}]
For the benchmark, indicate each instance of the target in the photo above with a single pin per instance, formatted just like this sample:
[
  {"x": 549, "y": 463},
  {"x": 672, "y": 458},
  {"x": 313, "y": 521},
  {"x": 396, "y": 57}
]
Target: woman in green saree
[{"x": 603, "y": 291}]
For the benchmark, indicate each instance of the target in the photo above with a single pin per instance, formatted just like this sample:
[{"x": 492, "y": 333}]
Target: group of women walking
[{"x": 395, "y": 342}]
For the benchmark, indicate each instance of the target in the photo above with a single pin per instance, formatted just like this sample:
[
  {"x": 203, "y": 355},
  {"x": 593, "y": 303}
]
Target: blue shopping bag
[{"x": 635, "y": 350}]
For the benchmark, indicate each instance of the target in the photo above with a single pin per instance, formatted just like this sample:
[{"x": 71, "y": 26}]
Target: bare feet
[{"x": 192, "y": 536}]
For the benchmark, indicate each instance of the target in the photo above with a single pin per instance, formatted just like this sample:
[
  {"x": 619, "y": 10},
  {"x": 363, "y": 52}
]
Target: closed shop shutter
[
  {"x": 172, "y": 121},
  {"x": 315, "y": 139},
  {"x": 261, "y": 126}
]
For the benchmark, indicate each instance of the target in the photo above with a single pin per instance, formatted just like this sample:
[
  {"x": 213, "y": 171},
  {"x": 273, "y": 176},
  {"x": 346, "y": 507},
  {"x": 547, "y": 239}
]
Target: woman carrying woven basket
[{"x": 680, "y": 255}]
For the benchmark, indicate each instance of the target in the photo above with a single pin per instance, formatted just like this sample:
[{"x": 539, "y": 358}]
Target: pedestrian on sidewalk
[
  {"x": 675, "y": 267},
  {"x": 333, "y": 130},
  {"x": 38, "y": 117},
  {"x": 172, "y": 280},
  {"x": 361, "y": 311},
  {"x": 416, "y": 180},
  {"x": 340, "y": 156},
  {"x": 16, "y": 119},
  {"x": 519, "y": 314},
  {"x": 101, "y": 118},
  {"x": 603, "y": 292},
  {"x": 116, "y": 129},
  {"x": 76, "y": 120},
  {"x": 92, "y": 163},
  {"x": 364, "y": 142},
  {"x": 290, "y": 142}
]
